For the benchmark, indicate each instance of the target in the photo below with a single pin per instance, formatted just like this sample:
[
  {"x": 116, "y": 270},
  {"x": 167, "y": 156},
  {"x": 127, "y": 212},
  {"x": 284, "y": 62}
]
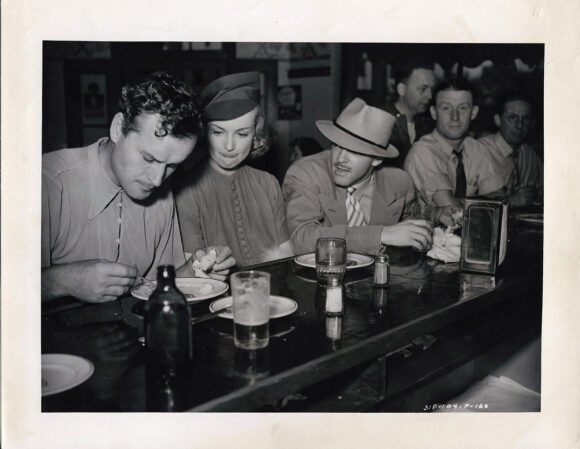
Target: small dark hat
[{"x": 231, "y": 96}]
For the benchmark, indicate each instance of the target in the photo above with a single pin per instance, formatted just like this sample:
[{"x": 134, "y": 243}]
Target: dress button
[
  {"x": 233, "y": 186},
  {"x": 243, "y": 243}
]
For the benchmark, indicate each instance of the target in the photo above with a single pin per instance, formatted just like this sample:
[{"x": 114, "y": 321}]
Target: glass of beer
[
  {"x": 330, "y": 259},
  {"x": 251, "y": 304}
]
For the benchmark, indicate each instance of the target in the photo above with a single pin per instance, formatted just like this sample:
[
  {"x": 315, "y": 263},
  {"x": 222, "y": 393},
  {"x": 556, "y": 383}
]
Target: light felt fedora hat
[{"x": 361, "y": 128}]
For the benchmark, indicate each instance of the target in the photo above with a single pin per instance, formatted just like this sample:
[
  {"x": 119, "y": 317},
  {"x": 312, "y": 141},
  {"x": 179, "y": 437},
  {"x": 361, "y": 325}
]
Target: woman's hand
[{"x": 216, "y": 261}]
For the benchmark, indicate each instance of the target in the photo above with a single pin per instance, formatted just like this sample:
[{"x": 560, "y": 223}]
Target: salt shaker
[
  {"x": 333, "y": 305},
  {"x": 382, "y": 271}
]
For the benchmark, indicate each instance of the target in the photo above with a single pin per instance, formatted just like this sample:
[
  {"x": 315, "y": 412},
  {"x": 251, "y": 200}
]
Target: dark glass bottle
[{"x": 168, "y": 325}]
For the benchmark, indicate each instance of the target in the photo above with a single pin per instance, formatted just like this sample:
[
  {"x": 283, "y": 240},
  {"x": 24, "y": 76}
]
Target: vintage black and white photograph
[
  {"x": 286, "y": 225},
  {"x": 292, "y": 227}
]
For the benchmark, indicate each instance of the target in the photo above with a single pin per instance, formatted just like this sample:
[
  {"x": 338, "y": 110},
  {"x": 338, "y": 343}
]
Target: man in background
[
  {"x": 414, "y": 82},
  {"x": 107, "y": 214},
  {"x": 447, "y": 165},
  {"x": 521, "y": 168}
]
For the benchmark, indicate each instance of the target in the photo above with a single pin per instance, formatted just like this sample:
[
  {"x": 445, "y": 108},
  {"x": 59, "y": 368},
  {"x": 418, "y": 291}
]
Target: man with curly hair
[{"x": 107, "y": 215}]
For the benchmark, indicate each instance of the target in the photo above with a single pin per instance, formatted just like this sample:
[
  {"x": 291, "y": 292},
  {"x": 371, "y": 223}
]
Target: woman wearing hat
[{"x": 227, "y": 202}]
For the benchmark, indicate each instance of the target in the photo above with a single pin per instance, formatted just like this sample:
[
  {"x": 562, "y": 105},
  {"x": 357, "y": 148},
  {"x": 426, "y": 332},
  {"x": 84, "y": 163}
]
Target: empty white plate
[
  {"x": 61, "y": 372},
  {"x": 279, "y": 306}
]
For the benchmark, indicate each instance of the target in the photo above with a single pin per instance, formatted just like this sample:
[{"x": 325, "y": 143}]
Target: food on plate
[{"x": 204, "y": 289}]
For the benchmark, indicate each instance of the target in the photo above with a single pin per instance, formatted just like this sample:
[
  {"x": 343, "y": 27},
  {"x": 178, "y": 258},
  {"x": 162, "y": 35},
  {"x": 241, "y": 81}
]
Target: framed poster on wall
[{"x": 94, "y": 99}]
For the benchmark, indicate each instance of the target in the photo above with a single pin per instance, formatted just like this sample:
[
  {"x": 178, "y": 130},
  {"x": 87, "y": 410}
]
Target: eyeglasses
[{"x": 514, "y": 119}]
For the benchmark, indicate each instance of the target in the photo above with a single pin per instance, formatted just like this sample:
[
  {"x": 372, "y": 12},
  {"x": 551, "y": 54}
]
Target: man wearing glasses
[
  {"x": 521, "y": 167},
  {"x": 447, "y": 165}
]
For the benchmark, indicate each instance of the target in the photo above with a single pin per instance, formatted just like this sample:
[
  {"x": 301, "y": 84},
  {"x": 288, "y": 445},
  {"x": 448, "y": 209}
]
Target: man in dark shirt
[{"x": 414, "y": 81}]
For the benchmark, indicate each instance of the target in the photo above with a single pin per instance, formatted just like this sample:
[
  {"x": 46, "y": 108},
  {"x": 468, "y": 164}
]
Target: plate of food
[
  {"x": 61, "y": 372},
  {"x": 353, "y": 260},
  {"x": 194, "y": 289},
  {"x": 280, "y": 306}
]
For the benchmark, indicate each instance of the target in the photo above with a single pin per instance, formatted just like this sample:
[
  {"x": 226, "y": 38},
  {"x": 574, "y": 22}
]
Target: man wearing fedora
[{"x": 345, "y": 192}]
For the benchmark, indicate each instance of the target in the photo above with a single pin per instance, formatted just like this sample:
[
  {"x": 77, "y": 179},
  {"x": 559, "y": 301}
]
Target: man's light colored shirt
[
  {"x": 364, "y": 195},
  {"x": 86, "y": 216},
  {"x": 432, "y": 166},
  {"x": 530, "y": 170}
]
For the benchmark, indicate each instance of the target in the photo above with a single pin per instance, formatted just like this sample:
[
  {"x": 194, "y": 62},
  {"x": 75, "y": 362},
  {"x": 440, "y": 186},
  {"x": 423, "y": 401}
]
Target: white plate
[
  {"x": 61, "y": 372},
  {"x": 354, "y": 260},
  {"x": 531, "y": 218},
  {"x": 194, "y": 289},
  {"x": 279, "y": 306}
]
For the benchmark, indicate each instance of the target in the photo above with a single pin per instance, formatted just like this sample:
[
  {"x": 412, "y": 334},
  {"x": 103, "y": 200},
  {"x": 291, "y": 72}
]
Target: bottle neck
[{"x": 166, "y": 275}]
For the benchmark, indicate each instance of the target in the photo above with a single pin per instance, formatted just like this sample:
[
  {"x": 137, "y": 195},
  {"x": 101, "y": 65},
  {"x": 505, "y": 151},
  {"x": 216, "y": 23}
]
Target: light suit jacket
[{"x": 316, "y": 207}]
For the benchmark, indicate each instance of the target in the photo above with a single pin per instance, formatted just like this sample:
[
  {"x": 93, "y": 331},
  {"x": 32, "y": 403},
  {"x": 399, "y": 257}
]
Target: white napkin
[{"x": 446, "y": 246}]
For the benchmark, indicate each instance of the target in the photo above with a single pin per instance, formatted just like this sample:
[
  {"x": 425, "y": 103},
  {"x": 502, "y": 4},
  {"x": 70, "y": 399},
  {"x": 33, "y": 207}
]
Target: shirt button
[
  {"x": 118, "y": 241},
  {"x": 233, "y": 186},
  {"x": 119, "y": 204},
  {"x": 119, "y": 220},
  {"x": 238, "y": 209}
]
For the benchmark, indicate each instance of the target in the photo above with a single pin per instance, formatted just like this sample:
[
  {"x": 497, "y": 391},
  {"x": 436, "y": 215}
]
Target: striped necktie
[
  {"x": 460, "y": 179},
  {"x": 354, "y": 213}
]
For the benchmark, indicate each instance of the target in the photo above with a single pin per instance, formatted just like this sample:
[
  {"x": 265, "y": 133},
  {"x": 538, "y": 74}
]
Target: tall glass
[
  {"x": 251, "y": 301},
  {"x": 330, "y": 259},
  {"x": 422, "y": 211}
]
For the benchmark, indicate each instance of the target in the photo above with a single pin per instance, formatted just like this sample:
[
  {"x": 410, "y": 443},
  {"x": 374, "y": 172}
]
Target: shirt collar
[
  {"x": 103, "y": 190},
  {"x": 504, "y": 147},
  {"x": 362, "y": 186},
  {"x": 443, "y": 144}
]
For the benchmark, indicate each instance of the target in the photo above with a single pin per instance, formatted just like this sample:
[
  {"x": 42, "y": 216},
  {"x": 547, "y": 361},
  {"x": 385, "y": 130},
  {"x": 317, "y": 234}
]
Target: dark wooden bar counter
[{"x": 425, "y": 338}]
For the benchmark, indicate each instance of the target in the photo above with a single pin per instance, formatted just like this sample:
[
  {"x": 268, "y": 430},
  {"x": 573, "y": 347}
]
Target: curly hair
[
  {"x": 261, "y": 143},
  {"x": 160, "y": 93}
]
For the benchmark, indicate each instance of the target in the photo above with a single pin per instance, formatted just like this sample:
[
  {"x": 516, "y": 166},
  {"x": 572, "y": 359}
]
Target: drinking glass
[
  {"x": 330, "y": 259},
  {"x": 251, "y": 304},
  {"x": 423, "y": 212}
]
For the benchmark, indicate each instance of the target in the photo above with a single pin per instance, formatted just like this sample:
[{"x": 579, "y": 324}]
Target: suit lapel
[
  {"x": 334, "y": 210},
  {"x": 387, "y": 209}
]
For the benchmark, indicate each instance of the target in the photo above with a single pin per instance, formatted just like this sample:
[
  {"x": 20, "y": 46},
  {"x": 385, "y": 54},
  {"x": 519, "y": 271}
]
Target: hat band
[{"x": 356, "y": 136}]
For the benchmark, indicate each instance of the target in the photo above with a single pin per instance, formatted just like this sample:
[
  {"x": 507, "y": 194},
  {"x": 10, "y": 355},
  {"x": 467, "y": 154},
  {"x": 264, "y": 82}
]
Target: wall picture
[
  {"x": 290, "y": 103},
  {"x": 94, "y": 99}
]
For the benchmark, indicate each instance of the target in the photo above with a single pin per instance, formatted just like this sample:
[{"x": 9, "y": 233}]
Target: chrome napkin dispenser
[{"x": 484, "y": 237}]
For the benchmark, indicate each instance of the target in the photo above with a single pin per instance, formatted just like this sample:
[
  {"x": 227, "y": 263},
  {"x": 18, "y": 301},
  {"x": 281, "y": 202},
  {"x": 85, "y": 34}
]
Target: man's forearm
[
  {"x": 53, "y": 282},
  {"x": 446, "y": 198}
]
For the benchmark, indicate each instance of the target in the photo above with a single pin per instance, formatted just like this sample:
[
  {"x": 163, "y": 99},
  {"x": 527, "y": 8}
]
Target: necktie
[
  {"x": 354, "y": 214},
  {"x": 460, "y": 179},
  {"x": 516, "y": 172}
]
